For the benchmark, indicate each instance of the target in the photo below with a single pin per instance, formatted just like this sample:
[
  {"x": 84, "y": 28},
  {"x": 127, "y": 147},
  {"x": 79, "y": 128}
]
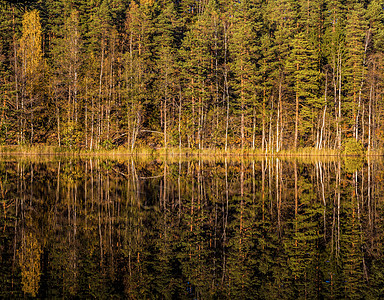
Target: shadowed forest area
[
  {"x": 191, "y": 229},
  {"x": 192, "y": 74}
]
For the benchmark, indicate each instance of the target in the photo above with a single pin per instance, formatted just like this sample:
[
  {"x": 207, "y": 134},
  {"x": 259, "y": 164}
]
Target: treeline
[{"x": 253, "y": 74}]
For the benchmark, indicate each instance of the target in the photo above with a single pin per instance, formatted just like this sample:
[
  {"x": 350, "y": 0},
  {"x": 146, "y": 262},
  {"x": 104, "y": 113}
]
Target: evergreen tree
[
  {"x": 138, "y": 67},
  {"x": 101, "y": 56},
  {"x": 7, "y": 92},
  {"x": 198, "y": 56},
  {"x": 167, "y": 83},
  {"x": 276, "y": 74},
  {"x": 302, "y": 67},
  {"x": 356, "y": 41},
  {"x": 67, "y": 58},
  {"x": 245, "y": 57},
  {"x": 334, "y": 53},
  {"x": 281, "y": 18}
]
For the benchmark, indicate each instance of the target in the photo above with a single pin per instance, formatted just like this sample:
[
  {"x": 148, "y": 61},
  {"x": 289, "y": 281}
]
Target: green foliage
[
  {"x": 247, "y": 74},
  {"x": 107, "y": 145}
]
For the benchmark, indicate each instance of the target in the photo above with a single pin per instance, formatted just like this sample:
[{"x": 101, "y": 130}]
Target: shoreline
[{"x": 44, "y": 150}]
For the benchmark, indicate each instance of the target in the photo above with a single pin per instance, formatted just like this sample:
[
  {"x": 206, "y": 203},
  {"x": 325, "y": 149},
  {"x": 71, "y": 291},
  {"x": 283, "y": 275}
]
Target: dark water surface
[{"x": 191, "y": 229}]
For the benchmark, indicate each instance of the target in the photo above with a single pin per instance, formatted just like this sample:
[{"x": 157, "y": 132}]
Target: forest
[{"x": 242, "y": 75}]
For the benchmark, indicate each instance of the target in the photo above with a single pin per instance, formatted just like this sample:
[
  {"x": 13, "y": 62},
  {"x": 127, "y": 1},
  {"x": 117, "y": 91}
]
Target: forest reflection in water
[{"x": 131, "y": 228}]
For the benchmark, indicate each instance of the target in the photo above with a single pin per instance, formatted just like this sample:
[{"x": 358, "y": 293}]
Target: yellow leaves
[
  {"x": 146, "y": 2},
  {"x": 30, "y": 43},
  {"x": 29, "y": 260}
]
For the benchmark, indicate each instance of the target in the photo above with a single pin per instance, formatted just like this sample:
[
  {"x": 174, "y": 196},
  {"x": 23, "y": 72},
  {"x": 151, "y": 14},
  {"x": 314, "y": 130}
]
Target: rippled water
[{"x": 224, "y": 228}]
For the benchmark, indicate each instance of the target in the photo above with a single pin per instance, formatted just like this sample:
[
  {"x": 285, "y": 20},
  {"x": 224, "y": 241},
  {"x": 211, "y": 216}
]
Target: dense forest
[{"x": 198, "y": 74}]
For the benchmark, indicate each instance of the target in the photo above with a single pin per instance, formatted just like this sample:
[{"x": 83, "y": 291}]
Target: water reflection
[{"x": 128, "y": 228}]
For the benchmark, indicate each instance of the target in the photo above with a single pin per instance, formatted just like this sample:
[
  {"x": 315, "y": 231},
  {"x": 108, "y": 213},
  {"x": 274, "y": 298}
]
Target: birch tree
[{"x": 31, "y": 60}]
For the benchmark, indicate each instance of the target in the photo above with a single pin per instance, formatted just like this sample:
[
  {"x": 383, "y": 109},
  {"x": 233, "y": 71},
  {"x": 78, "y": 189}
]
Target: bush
[
  {"x": 353, "y": 147},
  {"x": 107, "y": 145}
]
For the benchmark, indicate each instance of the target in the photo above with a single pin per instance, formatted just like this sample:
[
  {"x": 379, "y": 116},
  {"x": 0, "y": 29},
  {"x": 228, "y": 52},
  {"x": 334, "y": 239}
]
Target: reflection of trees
[
  {"x": 29, "y": 260},
  {"x": 201, "y": 229}
]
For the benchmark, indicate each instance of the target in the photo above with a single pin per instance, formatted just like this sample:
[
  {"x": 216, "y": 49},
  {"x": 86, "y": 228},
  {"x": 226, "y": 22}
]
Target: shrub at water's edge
[{"x": 353, "y": 147}]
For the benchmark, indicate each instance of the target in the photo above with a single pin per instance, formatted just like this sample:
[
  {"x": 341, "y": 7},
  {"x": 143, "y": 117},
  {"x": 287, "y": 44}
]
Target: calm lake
[{"x": 141, "y": 228}]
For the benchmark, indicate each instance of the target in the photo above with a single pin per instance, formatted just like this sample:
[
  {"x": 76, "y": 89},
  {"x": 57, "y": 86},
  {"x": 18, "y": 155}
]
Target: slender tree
[
  {"x": 244, "y": 54},
  {"x": 138, "y": 66},
  {"x": 31, "y": 68}
]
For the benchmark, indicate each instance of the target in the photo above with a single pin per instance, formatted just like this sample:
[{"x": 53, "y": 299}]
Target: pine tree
[
  {"x": 167, "y": 81},
  {"x": 7, "y": 93},
  {"x": 100, "y": 79},
  {"x": 375, "y": 36},
  {"x": 67, "y": 59},
  {"x": 301, "y": 66},
  {"x": 198, "y": 56},
  {"x": 138, "y": 66},
  {"x": 334, "y": 53},
  {"x": 355, "y": 66},
  {"x": 244, "y": 52},
  {"x": 281, "y": 20},
  {"x": 311, "y": 23}
]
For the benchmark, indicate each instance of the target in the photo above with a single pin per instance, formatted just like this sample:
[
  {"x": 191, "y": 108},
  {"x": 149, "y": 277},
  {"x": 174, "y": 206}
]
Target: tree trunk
[
  {"x": 180, "y": 110},
  {"x": 370, "y": 119},
  {"x": 100, "y": 113},
  {"x": 278, "y": 118},
  {"x": 19, "y": 117},
  {"x": 339, "y": 104},
  {"x": 297, "y": 111},
  {"x": 226, "y": 91},
  {"x": 324, "y": 114},
  {"x": 165, "y": 121},
  {"x": 263, "y": 125},
  {"x": 242, "y": 133}
]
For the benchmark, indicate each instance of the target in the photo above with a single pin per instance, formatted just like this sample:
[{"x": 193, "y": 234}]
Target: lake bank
[{"x": 42, "y": 149}]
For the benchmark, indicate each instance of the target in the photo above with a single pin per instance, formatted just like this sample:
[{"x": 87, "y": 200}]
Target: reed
[
  {"x": 42, "y": 149},
  {"x": 308, "y": 151},
  {"x": 38, "y": 149}
]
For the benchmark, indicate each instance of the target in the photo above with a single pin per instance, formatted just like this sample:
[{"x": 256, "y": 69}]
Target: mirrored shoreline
[{"x": 224, "y": 228}]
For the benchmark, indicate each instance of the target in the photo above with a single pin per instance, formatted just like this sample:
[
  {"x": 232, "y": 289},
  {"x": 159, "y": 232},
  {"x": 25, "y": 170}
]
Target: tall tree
[
  {"x": 138, "y": 66},
  {"x": 166, "y": 66},
  {"x": 31, "y": 72},
  {"x": 244, "y": 52},
  {"x": 356, "y": 40},
  {"x": 7, "y": 81},
  {"x": 198, "y": 55},
  {"x": 66, "y": 82},
  {"x": 302, "y": 67},
  {"x": 334, "y": 53},
  {"x": 281, "y": 18}
]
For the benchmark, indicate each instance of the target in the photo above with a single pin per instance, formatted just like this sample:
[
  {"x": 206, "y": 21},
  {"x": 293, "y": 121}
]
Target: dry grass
[
  {"x": 309, "y": 152},
  {"x": 175, "y": 153}
]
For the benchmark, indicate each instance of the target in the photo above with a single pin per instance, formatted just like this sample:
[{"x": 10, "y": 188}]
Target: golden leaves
[
  {"x": 146, "y": 2},
  {"x": 29, "y": 260},
  {"x": 30, "y": 43}
]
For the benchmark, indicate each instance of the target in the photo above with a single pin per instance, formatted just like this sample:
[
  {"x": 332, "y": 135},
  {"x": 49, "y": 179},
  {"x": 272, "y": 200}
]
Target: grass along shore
[{"x": 41, "y": 149}]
